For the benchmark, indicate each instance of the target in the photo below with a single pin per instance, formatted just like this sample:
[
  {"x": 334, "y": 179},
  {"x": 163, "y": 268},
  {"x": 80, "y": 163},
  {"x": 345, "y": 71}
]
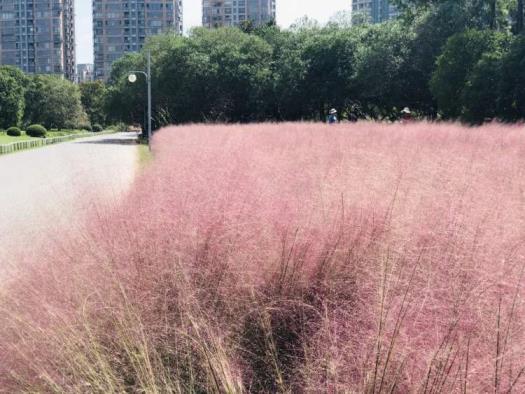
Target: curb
[{"x": 23, "y": 145}]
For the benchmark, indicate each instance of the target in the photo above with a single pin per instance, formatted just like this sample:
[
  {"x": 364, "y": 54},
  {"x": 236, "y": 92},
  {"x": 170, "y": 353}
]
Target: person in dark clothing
[{"x": 332, "y": 117}]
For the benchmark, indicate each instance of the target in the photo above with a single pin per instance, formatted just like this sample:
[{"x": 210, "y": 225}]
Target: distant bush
[
  {"x": 97, "y": 128},
  {"x": 36, "y": 130},
  {"x": 120, "y": 127},
  {"x": 85, "y": 126},
  {"x": 14, "y": 132},
  {"x": 69, "y": 125}
]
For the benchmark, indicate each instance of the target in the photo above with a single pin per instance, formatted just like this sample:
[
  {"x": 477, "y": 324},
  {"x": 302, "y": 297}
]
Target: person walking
[{"x": 332, "y": 117}]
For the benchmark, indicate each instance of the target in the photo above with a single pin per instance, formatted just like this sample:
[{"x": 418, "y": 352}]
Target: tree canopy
[
  {"x": 448, "y": 59},
  {"x": 93, "y": 98},
  {"x": 40, "y": 99},
  {"x": 12, "y": 82},
  {"x": 53, "y": 102},
  {"x": 442, "y": 58}
]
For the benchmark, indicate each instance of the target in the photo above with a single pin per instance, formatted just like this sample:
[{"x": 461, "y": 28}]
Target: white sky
[{"x": 287, "y": 12}]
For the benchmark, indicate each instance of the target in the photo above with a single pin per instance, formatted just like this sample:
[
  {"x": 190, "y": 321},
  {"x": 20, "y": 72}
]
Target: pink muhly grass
[{"x": 288, "y": 257}]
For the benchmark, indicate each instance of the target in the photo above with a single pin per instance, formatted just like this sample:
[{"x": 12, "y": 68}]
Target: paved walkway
[{"x": 45, "y": 189}]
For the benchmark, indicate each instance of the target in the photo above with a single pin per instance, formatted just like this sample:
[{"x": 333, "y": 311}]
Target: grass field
[
  {"x": 6, "y": 139},
  {"x": 62, "y": 133},
  {"x": 287, "y": 258},
  {"x": 145, "y": 157}
]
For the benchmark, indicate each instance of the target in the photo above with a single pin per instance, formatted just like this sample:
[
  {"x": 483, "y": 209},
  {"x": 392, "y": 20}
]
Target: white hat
[
  {"x": 333, "y": 111},
  {"x": 406, "y": 110}
]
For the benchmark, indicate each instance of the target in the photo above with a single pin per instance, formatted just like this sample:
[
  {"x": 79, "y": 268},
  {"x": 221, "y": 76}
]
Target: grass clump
[
  {"x": 145, "y": 156},
  {"x": 287, "y": 258}
]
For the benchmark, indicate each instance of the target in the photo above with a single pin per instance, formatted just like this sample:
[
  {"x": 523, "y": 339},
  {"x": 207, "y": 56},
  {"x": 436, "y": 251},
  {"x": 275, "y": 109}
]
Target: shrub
[
  {"x": 14, "y": 132},
  {"x": 119, "y": 127},
  {"x": 69, "y": 125},
  {"x": 36, "y": 130},
  {"x": 85, "y": 126},
  {"x": 97, "y": 128}
]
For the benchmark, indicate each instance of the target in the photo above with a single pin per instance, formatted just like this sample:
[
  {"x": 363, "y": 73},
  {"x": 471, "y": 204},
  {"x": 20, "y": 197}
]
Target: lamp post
[{"x": 132, "y": 77}]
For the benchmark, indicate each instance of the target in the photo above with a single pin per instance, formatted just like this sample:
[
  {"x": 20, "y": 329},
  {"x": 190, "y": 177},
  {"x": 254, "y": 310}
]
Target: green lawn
[
  {"x": 6, "y": 139},
  {"x": 145, "y": 155},
  {"x": 62, "y": 133}
]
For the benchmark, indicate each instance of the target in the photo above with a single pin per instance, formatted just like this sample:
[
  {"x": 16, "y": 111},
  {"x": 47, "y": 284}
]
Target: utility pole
[
  {"x": 519, "y": 18},
  {"x": 132, "y": 77},
  {"x": 492, "y": 15},
  {"x": 149, "y": 99}
]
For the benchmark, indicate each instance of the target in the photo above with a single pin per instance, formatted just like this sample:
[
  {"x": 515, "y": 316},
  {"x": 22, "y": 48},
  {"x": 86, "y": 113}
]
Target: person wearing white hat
[
  {"x": 406, "y": 115},
  {"x": 332, "y": 117}
]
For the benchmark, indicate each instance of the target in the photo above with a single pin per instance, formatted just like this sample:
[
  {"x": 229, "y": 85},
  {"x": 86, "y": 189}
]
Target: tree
[
  {"x": 287, "y": 92},
  {"x": 441, "y": 56},
  {"x": 482, "y": 14},
  {"x": 512, "y": 87},
  {"x": 519, "y": 17},
  {"x": 431, "y": 28},
  {"x": 242, "y": 72},
  {"x": 342, "y": 19},
  {"x": 126, "y": 102},
  {"x": 93, "y": 96},
  {"x": 53, "y": 102},
  {"x": 378, "y": 80},
  {"x": 460, "y": 56},
  {"x": 247, "y": 26},
  {"x": 480, "y": 94},
  {"x": 328, "y": 57},
  {"x": 12, "y": 102}
]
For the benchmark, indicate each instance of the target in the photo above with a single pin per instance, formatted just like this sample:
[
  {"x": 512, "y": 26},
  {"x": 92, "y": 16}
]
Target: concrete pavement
[{"x": 47, "y": 189}]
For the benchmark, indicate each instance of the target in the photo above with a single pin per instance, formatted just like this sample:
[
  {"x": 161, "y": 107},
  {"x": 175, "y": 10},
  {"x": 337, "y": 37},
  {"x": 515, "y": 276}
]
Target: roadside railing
[{"x": 37, "y": 143}]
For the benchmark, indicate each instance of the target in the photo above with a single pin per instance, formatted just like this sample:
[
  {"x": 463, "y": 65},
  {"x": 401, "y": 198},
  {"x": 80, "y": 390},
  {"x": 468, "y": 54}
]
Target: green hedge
[
  {"x": 36, "y": 130},
  {"x": 14, "y": 132}
]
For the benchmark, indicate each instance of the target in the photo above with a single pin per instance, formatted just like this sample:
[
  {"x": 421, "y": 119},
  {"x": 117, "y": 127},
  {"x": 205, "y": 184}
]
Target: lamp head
[{"x": 132, "y": 78}]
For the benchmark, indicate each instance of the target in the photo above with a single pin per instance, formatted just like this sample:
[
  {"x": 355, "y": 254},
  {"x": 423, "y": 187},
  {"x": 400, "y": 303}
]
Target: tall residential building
[
  {"x": 84, "y": 73},
  {"x": 38, "y": 36},
  {"x": 373, "y": 11},
  {"x": 218, "y": 13},
  {"x": 121, "y": 26}
]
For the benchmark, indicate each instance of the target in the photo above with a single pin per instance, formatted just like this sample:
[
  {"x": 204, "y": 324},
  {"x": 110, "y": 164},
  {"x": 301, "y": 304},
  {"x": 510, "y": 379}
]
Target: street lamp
[{"x": 132, "y": 78}]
